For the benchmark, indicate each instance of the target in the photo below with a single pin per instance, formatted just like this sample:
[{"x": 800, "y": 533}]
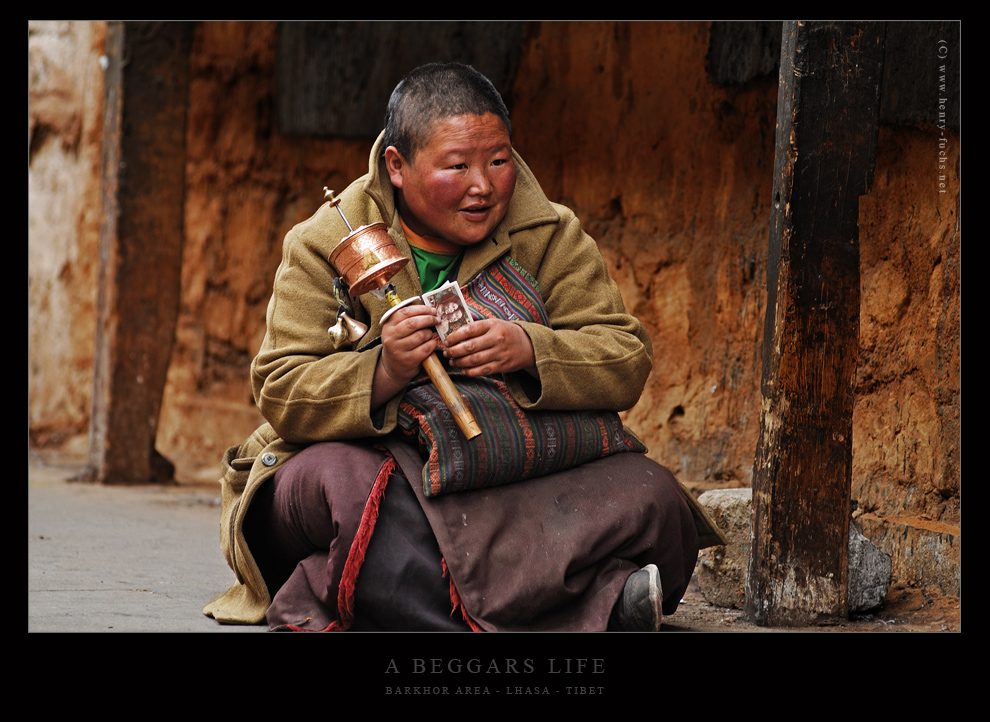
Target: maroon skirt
[{"x": 346, "y": 539}]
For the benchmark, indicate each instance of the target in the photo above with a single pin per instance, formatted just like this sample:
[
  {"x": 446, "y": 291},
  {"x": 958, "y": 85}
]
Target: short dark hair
[{"x": 433, "y": 92}]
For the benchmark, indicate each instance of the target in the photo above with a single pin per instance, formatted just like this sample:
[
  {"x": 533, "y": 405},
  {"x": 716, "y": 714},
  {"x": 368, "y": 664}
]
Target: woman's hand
[
  {"x": 407, "y": 341},
  {"x": 490, "y": 346}
]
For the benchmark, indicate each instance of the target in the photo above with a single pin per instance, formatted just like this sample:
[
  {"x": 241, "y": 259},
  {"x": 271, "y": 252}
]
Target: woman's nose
[{"x": 481, "y": 184}]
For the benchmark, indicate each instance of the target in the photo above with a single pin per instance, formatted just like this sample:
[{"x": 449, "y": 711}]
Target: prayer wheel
[{"x": 367, "y": 259}]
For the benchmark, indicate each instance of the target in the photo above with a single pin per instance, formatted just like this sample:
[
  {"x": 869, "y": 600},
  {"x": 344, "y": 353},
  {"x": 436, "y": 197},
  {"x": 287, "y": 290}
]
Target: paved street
[{"x": 111, "y": 559}]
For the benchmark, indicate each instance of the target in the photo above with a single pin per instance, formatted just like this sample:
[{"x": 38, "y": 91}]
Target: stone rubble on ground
[{"x": 721, "y": 570}]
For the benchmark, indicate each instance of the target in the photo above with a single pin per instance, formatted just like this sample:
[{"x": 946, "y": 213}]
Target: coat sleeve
[
  {"x": 595, "y": 355},
  {"x": 306, "y": 389}
]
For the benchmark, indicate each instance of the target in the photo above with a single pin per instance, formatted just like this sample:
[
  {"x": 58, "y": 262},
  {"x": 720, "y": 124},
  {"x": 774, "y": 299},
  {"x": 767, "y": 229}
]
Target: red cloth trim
[
  {"x": 355, "y": 557},
  {"x": 455, "y": 600}
]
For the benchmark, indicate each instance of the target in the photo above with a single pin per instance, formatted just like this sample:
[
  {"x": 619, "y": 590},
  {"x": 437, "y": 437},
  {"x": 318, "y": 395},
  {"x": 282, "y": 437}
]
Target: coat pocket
[
  {"x": 235, "y": 472},
  {"x": 236, "y": 469}
]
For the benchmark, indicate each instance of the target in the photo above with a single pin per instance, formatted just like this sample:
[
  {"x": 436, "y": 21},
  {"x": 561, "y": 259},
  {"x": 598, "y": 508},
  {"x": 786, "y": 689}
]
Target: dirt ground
[{"x": 905, "y": 609}]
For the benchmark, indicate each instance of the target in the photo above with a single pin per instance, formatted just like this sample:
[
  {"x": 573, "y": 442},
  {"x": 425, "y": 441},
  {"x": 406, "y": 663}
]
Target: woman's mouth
[{"x": 476, "y": 211}]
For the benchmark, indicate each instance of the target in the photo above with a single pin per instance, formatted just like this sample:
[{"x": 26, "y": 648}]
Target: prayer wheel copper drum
[{"x": 367, "y": 258}]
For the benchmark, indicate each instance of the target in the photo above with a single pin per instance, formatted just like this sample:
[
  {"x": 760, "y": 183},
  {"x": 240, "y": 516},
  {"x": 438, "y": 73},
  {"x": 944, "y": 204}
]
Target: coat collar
[{"x": 528, "y": 208}]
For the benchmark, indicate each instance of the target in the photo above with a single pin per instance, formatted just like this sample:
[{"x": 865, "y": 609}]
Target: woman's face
[{"x": 459, "y": 184}]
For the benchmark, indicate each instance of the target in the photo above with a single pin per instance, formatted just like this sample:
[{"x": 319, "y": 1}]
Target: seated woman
[{"x": 554, "y": 519}]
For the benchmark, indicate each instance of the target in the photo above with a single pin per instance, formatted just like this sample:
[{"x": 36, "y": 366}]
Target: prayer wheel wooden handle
[{"x": 452, "y": 397}]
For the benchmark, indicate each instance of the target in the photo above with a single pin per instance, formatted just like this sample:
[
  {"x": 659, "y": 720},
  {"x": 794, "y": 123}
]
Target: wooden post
[
  {"x": 827, "y": 116},
  {"x": 143, "y": 188}
]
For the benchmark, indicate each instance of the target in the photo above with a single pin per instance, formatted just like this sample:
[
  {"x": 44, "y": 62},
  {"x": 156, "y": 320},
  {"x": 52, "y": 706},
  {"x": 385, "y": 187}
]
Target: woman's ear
[{"x": 394, "y": 164}]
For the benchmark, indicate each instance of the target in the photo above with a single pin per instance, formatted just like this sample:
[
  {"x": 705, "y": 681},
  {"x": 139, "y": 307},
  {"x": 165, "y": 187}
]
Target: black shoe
[{"x": 638, "y": 609}]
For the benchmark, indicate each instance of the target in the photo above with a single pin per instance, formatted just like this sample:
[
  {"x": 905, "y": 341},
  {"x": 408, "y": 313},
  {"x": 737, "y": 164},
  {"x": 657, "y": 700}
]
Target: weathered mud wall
[
  {"x": 247, "y": 186},
  {"x": 906, "y": 422},
  {"x": 65, "y": 124},
  {"x": 670, "y": 172},
  {"x": 672, "y": 176}
]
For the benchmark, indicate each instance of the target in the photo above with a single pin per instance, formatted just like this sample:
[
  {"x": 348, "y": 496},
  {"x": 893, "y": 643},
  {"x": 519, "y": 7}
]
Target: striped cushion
[
  {"x": 514, "y": 444},
  {"x": 506, "y": 290}
]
